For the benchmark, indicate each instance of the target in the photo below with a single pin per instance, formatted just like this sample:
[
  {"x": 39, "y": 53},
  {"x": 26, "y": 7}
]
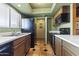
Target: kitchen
[{"x": 39, "y": 29}]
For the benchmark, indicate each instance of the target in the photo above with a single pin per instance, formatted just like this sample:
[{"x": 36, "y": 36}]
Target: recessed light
[
  {"x": 39, "y": 3},
  {"x": 19, "y": 5}
]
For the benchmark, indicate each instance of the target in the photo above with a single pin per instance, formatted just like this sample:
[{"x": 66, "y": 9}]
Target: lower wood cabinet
[
  {"x": 66, "y": 52},
  {"x": 57, "y": 46},
  {"x": 70, "y": 50},
  {"x": 21, "y": 46},
  {"x": 63, "y": 48},
  {"x": 28, "y": 43},
  {"x": 19, "y": 50}
]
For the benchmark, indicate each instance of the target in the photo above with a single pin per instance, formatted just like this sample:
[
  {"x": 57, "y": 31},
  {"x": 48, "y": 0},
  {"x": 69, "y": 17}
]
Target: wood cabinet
[
  {"x": 58, "y": 46},
  {"x": 65, "y": 9},
  {"x": 63, "y": 48},
  {"x": 66, "y": 52},
  {"x": 75, "y": 19},
  {"x": 69, "y": 50},
  {"x": 19, "y": 50},
  {"x": 21, "y": 45},
  {"x": 19, "y": 40},
  {"x": 28, "y": 43}
]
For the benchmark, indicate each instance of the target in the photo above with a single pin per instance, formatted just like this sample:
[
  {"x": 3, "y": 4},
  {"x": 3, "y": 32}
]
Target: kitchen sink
[{"x": 11, "y": 35}]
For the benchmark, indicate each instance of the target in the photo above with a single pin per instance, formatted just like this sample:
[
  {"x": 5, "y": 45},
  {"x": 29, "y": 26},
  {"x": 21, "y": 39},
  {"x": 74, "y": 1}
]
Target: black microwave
[
  {"x": 62, "y": 18},
  {"x": 64, "y": 31}
]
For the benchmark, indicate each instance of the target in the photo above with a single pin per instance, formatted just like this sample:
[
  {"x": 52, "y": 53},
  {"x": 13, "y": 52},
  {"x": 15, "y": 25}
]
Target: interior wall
[
  {"x": 9, "y": 29},
  {"x": 66, "y": 25},
  {"x": 49, "y": 24}
]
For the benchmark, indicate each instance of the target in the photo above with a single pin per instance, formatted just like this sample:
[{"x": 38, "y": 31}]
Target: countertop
[
  {"x": 72, "y": 39},
  {"x": 7, "y": 39},
  {"x": 54, "y": 31}
]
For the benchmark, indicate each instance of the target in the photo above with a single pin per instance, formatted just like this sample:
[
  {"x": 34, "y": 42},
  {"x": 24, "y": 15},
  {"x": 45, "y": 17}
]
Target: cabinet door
[
  {"x": 69, "y": 49},
  {"x": 19, "y": 50},
  {"x": 66, "y": 52},
  {"x": 14, "y": 19},
  {"x": 58, "y": 46},
  {"x": 4, "y": 15},
  {"x": 28, "y": 43}
]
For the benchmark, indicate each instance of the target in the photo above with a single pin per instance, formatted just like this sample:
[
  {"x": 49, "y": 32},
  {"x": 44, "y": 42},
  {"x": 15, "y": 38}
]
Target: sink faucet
[{"x": 13, "y": 32}]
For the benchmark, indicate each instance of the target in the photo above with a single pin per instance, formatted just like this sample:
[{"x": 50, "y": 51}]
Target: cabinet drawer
[
  {"x": 19, "y": 40},
  {"x": 28, "y": 37},
  {"x": 66, "y": 52}
]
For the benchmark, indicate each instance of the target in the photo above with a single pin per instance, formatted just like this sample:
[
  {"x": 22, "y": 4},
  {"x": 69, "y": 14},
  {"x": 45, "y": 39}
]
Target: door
[{"x": 40, "y": 29}]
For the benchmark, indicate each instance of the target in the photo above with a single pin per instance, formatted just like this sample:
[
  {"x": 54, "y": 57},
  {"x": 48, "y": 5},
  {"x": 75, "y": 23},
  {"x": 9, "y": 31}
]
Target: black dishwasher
[{"x": 5, "y": 49}]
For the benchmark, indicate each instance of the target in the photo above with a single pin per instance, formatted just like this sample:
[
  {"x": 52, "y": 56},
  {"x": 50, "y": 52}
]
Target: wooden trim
[{"x": 74, "y": 19}]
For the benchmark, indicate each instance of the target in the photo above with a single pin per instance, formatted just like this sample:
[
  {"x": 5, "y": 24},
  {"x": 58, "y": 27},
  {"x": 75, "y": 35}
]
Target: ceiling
[
  {"x": 22, "y": 7},
  {"x": 40, "y": 5},
  {"x": 38, "y": 9},
  {"x": 35, "y": 9}
]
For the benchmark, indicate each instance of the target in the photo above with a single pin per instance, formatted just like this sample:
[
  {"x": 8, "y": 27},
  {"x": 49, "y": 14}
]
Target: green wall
[
  {"x": 49, "y": 24},
  {"x": 53, "y": 25},
  {"x": 9, "y": 29}
]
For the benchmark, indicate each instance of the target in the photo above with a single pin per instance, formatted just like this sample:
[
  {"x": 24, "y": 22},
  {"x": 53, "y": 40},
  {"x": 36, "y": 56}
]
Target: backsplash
[
  {"x": 9, "y": 30},
  {"x": 65, "y": 25}
]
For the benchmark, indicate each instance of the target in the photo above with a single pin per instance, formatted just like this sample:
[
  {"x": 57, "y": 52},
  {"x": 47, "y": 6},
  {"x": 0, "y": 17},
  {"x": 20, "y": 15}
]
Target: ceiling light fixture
[
  {"x": 39, "y": 3},
  {"x": 19, "y": 5}
]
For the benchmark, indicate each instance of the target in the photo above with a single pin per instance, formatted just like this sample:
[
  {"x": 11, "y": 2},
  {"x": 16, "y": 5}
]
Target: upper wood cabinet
[
  {"x": 77, "y": 9},
  {"x": 4, "y": 16},
  {"x": 75, "y": 19},
  {"x": 15, "y": 19}
]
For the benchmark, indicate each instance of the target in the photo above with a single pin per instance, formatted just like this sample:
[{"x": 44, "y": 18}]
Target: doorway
[{"x": 40, "y": 29}]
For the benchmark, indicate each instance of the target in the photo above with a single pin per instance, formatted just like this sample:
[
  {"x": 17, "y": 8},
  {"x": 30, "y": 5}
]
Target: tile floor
[{"x": 39, "y": 49}]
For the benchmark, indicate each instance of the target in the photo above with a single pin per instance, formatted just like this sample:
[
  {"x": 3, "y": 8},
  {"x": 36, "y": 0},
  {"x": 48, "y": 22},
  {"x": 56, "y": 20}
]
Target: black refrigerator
[{"x": 29, "y": 26}]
